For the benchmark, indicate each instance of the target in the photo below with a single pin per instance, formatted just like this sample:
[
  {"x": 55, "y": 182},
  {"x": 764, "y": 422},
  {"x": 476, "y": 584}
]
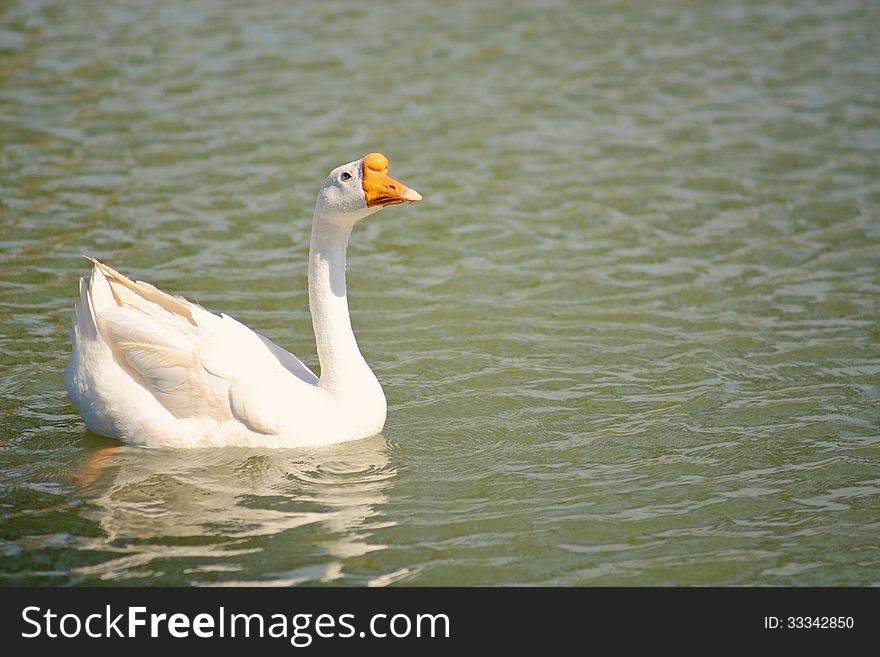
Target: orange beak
[{"x": 380, "y": 189}]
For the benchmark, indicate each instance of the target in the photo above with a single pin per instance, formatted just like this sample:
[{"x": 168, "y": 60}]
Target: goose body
[{"x": 153, "y": 369}]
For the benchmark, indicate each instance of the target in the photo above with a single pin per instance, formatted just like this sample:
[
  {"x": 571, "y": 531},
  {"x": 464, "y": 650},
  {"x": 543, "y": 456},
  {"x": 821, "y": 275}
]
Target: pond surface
[{"x": 630, "y": 337}]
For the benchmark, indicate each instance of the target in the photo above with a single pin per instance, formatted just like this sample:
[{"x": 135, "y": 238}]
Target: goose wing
[{"x": 190, "y": 359}]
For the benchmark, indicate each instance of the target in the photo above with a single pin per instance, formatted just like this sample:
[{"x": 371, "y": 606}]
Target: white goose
[{"x": 154, "y": 369}]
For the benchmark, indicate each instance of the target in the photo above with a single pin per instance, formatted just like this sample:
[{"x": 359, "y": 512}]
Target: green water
[{"x": 630, "y": 337}]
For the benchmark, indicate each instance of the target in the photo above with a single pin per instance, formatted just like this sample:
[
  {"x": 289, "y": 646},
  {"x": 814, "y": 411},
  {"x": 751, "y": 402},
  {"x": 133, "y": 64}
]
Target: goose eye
[{"x": 345, "y": 177}]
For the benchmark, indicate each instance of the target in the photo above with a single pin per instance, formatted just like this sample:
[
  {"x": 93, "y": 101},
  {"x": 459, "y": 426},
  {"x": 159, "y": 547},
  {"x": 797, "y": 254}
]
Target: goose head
[{"x": 360, "y": 188}]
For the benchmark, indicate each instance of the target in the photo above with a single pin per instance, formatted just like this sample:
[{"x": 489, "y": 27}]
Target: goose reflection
[{"x": 230, "y": 516}]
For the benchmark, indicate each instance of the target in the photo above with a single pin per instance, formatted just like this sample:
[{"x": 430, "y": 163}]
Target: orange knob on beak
[{"x": 380, "y": 189}]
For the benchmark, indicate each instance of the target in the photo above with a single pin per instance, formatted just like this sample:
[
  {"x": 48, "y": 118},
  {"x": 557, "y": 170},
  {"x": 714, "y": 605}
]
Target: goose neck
[{"x": 342, "y": 365}]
